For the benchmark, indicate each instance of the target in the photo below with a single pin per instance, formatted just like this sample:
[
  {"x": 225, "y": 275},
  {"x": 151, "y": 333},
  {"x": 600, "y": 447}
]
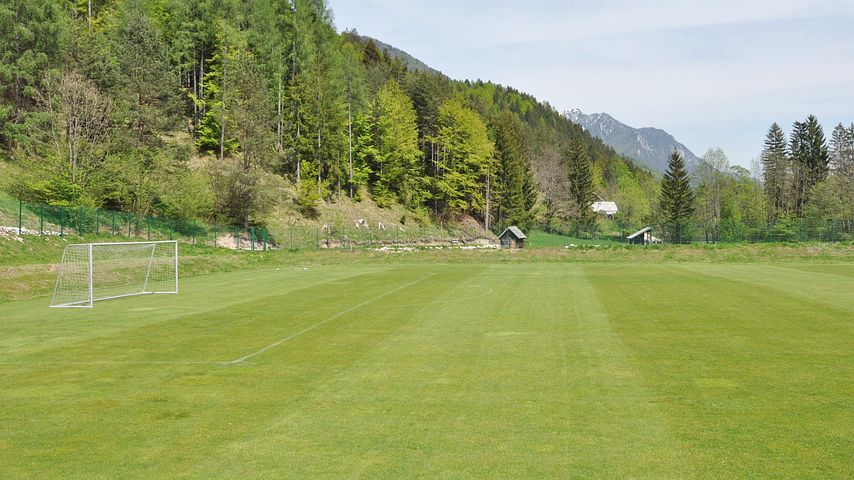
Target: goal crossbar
[{"x": 91, "y": 272}]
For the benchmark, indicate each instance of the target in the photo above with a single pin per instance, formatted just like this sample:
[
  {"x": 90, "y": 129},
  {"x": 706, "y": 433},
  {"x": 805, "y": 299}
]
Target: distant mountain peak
[{"x": 649, "y": 146}]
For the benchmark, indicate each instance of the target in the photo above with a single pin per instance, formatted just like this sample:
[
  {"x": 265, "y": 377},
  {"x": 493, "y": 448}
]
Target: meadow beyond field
[{"x": 541, "y": 370}]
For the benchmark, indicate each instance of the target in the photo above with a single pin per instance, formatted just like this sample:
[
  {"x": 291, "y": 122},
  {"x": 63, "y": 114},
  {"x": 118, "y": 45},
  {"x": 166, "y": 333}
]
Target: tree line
[
  {"x": 806, "y": 176},
  {"x": 221, "y": 109},
  {"x": 800, "y": 178}
]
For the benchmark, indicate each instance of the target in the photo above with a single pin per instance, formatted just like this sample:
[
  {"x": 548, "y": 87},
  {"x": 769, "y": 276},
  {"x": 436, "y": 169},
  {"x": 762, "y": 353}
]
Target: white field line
[
  {"x": 326, "y": 320},
  {"x": 120, "y": 362},
  {"x": 241, "y": 360}
]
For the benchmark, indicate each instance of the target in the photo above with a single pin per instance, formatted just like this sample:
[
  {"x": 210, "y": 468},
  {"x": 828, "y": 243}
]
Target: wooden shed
[
  {"x": 642, "y": 237},
  {"x": 512, "y": 237}
]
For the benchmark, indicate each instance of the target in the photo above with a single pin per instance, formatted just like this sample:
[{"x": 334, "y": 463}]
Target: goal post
[{"x": 90, "y": 272}]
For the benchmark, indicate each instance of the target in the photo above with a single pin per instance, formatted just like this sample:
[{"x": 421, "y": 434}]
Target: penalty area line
[
  {"x": 326, "y": 320},
  {"x": 122, "y": 362}
]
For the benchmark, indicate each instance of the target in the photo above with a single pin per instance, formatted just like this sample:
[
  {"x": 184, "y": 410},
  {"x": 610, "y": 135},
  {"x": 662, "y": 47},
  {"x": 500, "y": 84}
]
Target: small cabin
[
  {"x": 643, "y": 237},
  {"x": 609, "y": 209},
  {"x": 512, "y": 237}
]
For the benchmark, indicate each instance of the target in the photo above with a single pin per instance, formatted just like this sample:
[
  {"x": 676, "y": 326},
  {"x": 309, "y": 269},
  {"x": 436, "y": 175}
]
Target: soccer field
[{"x": 441, "y": 371}]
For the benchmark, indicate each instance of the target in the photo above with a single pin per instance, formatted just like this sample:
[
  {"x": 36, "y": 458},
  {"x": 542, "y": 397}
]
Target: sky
[{"x": 711, "y": 73}]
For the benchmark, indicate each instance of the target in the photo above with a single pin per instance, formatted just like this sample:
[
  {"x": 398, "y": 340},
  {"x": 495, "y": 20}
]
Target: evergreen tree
[
  {"x": 31, "y": 43},
  {"x": 371, "y": 55},
  {"x": 842, "y": 148},
  {"x": 580, "y": 182},
  {"x": 146, "y": 96},
  {"x": 677, "y": 198},
  {"x": 776, "y": 172},
  {"x": 514, "y": 189},
  {"x": 364, "y": 152},
  {"x": 810, "y": 159}
]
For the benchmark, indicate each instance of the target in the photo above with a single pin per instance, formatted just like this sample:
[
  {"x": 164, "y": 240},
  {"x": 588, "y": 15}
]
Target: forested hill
[
  {"x": 237, "y": 111},
  {"x": 393, "y": 52}
]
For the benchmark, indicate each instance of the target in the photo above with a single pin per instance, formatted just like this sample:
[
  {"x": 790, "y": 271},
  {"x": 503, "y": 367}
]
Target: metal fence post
[
  {"x": 41, "y": 219},
  {"x": 113, "y": 215},
  {"x": 20, "y": 217},
  {"x": 264, "y": 237},
  {"x": 193, "y": 232},
  {"x": 216, "y": 234},
  {"x": 148, "y": 225},
  {"x": 61, "y": 221},
  {"x": 252, "y": 237},
  {"x": 80, "y": 221},
  {"x": 97, "y": 222}
]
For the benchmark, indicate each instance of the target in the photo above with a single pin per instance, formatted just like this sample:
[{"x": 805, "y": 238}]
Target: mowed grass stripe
[
  {"x": 831, "y": 290},
  {"x": 184, "y": 410},
  {"x": 755, "y": 378},
  {"x": 326, "y": 320},
  {"x": 30, "y": 327},
  {"x": 514, "y": 384},
  {"x": 221, "y": 335},
  {"x": 844, "y": 270}
]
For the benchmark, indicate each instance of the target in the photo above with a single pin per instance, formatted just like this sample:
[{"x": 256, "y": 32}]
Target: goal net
[{"x": 100, "y": 271}]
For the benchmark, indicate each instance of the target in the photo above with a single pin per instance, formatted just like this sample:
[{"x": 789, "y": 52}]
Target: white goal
[{"x": 100, "y": 271}]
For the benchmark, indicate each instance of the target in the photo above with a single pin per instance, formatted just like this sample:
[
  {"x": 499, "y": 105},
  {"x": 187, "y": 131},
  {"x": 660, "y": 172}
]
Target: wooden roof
[{"x": 514, "y": 230}]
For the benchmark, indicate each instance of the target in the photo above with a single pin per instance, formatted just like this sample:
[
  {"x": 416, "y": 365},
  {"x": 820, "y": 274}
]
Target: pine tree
[
  {"x": 677, "y": 198},
  {"x": 842, "y": 148},
  {"x": 809, "y": 157},
  {"x": 31, "y": 42},
  {"x": 513, "y": 184},
  {"x": 371, "y": 55},
  {"x": 580, "y": 181},
  {"x": 776, "y": 171},
  {"x": 147, "y": 93},
  {"x": 364, "y": 152}
]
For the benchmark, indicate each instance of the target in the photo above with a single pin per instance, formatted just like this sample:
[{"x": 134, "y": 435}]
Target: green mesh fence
[
  {"x": 26, "y": 218},
  {"x": 782, "y": 231},
  {"x": 51, "y": 220}
]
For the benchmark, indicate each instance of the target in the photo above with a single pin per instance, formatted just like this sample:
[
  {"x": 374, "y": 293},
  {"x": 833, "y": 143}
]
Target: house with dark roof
[{"x": 512, "y": 237}]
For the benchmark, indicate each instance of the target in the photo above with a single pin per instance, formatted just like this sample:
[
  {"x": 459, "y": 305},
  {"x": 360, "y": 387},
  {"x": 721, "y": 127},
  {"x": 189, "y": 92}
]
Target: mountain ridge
[
  {"x": 412, "y": 63},
  {"x": 649, "y": 146}
]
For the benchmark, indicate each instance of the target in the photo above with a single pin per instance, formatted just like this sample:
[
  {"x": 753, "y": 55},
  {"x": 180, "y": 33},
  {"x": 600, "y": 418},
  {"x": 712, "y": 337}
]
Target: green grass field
[
  {"x": 534, "y": 370},
  {"x": 541, "y": 239}
]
